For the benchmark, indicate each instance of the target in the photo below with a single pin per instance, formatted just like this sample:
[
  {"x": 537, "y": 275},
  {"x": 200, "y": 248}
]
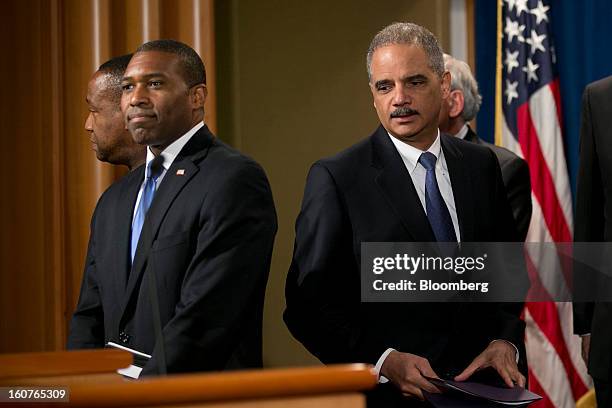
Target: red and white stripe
[{"x": 556, "y": 369}]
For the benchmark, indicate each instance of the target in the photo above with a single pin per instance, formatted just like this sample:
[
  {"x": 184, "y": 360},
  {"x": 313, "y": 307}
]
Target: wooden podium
[{"x": 93, "y": 382}]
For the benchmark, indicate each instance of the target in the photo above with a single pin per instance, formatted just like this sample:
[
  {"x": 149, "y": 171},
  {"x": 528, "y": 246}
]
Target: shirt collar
[
  {"x": 462, "y": 132},
  {"x": 410, "y": 155},
  {"x": 169, "y": 153}
]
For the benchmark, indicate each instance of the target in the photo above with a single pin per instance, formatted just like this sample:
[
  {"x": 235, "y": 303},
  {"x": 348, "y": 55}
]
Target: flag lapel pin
[{"x": 180, "y": 172}]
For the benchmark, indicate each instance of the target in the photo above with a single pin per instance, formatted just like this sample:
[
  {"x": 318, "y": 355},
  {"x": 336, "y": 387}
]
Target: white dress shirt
[
  {"x": 462, "y": 132},
  {"x": 168, "y": 154},
  {"x": 410, "y": 156}
]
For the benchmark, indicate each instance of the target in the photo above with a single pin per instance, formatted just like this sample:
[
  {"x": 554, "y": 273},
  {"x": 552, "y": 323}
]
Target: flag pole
[{"x": 498, "y": 77}]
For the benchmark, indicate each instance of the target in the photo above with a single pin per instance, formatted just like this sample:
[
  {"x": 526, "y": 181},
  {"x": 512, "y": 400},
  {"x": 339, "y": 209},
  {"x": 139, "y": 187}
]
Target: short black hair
[
  {"x": 113, "y": 69},
  {"x": 193, "y": 67},
  {"x": 116, "y": 66}
]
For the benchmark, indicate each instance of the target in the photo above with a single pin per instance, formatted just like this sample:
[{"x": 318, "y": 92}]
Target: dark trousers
[
  {"x": 602, "y": 393},
  {"x": 387, "y": 396}
]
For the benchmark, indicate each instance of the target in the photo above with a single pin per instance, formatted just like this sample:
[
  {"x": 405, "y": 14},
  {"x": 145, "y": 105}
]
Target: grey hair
[
  {"x": 412, "y": 34},
  {"x": 463, "y": 80}
]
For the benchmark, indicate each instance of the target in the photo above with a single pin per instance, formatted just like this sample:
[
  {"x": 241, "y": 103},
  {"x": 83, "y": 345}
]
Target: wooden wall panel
[
  {"x": 150, "y": 20},
  {"x": 85, "y": 178},
  {"x": 192, "y": 22},
  {"x": 205, "y": 45},
  {"x": 54, "y": 231},
  {"x": 30, "y": 309},
  {"x": 48, "y": 171}
]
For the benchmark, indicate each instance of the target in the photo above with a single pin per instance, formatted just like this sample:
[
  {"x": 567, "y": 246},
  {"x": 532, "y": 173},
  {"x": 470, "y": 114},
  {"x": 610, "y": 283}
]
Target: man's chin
[
  {"x": 412, "y": 135},
  {"x": 142, "y": 136},
  {"x": 101, "y": 157},
  {"x": 405, "y": 132}
]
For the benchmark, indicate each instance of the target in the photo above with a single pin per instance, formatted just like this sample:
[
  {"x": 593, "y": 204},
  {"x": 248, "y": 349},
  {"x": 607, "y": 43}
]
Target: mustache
[{"x": 403, "y": 111}]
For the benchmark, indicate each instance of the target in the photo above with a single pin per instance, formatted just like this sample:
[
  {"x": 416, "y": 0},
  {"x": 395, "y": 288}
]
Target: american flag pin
[{"x": 180, "y": 172}]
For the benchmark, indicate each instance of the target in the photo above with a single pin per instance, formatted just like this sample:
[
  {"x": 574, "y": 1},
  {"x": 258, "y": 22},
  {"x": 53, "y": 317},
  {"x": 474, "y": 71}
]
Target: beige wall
[{"x": 292, "y": 88}]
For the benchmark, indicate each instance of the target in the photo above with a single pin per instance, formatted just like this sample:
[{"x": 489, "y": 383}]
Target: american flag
[{"x": 528, "y": 122}]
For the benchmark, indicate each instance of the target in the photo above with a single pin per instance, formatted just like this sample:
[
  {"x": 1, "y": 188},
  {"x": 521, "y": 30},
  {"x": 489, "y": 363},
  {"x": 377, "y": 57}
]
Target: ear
[
  {"x": 198, "y": 96},
  {"x": 445, "y": 84},
  {"x": 456, "y": 103}
]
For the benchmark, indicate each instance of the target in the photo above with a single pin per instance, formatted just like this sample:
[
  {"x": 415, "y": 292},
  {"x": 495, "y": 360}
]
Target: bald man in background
[
  {"x": 109, "y": 137},
  {"x": 458, "y": 109}
]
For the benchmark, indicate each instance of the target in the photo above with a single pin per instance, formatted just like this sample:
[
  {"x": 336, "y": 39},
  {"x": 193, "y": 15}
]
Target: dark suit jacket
[
  {"x": 594, "y": 214},
  {"x": 208, "y": 238},
  {"x": 365, "y": 194},
  {"x": 515, "y": 174}
]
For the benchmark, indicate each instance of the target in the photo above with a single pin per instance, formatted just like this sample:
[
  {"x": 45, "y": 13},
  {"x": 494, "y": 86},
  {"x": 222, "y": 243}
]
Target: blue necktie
[
  {"x": 153, "y": 171},
  {"x": 437, "y": 212}
]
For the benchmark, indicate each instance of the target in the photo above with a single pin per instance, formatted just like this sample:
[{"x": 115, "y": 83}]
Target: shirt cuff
[
  {"x": 516, "y": 355},
  {"x": 381, "y": 378},
  {"x": 585, "y": 334}
]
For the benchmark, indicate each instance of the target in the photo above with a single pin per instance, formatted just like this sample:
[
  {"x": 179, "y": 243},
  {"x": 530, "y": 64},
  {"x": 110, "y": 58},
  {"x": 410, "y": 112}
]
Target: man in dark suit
[
  {"x": 111, "y": 141},
  {"x": 179, "y": 251},
  {"x": 593, "y": 321},
  {"x": 380, "y": 190},
  {"x": 461, "y": 106}
]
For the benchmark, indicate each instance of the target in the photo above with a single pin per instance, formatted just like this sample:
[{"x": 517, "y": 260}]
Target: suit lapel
[
  {"x": 462, "y": 187},
  {"x": 124, "y": 211},
  {"x": 396, "y": 186},
  {"x": 182, "y": 170}
]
